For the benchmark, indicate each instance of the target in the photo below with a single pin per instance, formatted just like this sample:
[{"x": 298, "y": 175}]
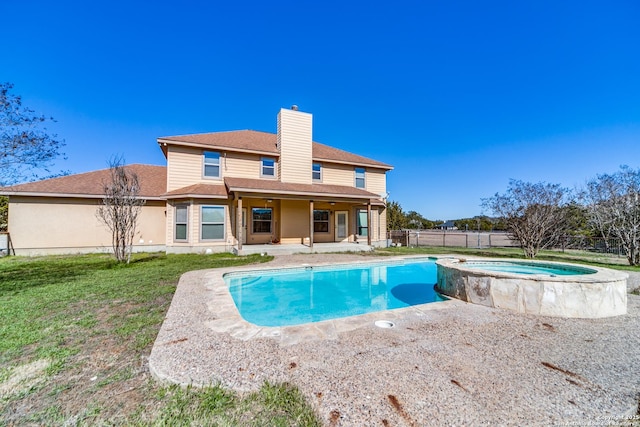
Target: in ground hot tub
[{"x": 543, "y": 288}]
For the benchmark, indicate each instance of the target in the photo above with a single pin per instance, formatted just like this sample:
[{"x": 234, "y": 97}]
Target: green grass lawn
[{"x": 75, "y": 333}]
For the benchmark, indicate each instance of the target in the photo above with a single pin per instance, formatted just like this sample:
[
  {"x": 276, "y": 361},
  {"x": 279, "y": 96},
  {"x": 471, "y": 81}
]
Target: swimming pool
[{"x": 295, "y": 296}]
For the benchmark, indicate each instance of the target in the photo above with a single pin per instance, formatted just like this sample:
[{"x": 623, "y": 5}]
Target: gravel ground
[{"x": 459, "y": 364}]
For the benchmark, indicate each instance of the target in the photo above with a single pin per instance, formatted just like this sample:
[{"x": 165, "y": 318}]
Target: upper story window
[
  {"x": 268, "y": 169},
  {"x": 360, "y": 178},
  {"x": 211, "y": 164},
  {"x": 317, "y": 172}
]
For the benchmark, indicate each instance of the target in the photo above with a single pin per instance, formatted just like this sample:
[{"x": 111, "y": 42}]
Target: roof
[
  {"x": 153, "y": 184},
  {"x": 264, "y": 186},
  {"x": 265, "y": 143},
  {"x": 449, "y": 223},
  {"x": 218, "y": 191}
]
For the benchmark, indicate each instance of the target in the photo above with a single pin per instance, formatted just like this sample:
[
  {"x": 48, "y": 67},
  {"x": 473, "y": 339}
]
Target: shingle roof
[
  {"x": 153, "y": 183},
  {"x": 246, "y": 140},
  {"x": 195, "y": 190},
  {"x": 265, "y": 142},
  {"x": 268, "y": 186}
]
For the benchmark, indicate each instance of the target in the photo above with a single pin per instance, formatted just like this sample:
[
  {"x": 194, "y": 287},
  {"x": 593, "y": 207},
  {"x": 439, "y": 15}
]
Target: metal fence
[
  {"x": 494, "y": 239},
  {"x": 464, "y": 239},
  {"x": 593, "y": 244}
]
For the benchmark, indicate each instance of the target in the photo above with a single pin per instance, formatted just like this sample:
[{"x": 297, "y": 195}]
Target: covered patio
[{"x": 285, "y": 218}]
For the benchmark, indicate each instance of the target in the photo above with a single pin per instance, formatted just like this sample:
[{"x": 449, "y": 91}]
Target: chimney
[{"x": 295, "y": 145}]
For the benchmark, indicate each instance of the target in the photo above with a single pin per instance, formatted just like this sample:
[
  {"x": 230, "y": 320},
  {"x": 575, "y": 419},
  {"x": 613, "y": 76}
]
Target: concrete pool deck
[{"x": 443, "y": 363}]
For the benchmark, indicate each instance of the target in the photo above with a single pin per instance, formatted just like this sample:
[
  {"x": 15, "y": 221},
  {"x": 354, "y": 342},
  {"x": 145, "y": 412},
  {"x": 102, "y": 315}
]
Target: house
[
  {"x": 58, "y": 215},
  {"x": 219, "y": 192},
  {"x": 447, "y": 225}
]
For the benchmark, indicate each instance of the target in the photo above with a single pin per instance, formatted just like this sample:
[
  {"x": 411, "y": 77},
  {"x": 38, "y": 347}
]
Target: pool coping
[
  {"x": 468, "y": 364},
  {"x": 229, "y": 320}
]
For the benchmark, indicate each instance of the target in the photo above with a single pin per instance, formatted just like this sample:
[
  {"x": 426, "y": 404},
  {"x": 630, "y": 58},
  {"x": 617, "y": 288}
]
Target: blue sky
[{"x": 458, "y": 96}]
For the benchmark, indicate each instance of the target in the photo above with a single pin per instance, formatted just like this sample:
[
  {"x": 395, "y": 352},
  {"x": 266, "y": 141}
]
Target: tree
[
  {"x": 414, "y": 220},
  {"x": 120, "y": 209},
  {"x": 534, "y": 214},
  {"x": 4, "y": 213},
  {"x": 613, "y": 205},
  {"x": 484, "y": 223},
  {"x": 396, "y": 219},
  {"x": 26, "y": 147}
]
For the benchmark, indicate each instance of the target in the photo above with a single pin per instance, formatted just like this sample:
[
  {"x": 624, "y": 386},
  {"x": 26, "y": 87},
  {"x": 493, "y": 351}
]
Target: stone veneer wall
[{"x": 601, "y": 294}]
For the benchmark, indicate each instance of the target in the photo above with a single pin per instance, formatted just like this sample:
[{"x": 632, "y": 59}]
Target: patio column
[
  {"x": 311, "y": 224},
  {"x": 239, "y": 223},
  {"x": 369, "y": 225}
]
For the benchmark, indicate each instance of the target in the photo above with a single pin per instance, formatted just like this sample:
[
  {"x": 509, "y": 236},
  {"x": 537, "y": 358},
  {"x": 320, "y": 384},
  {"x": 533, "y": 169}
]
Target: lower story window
[
  {"x": 261, "y": 219},
  {"x": 320, "y": 221},
  {"x": 362, "y": 222},
  {"x": 181, "y": 223},
  {"x": 212, "y": 223}
]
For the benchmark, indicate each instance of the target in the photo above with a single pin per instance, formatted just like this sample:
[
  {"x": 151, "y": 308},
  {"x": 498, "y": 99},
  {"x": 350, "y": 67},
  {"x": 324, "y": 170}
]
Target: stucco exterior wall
[
  {"x": 44, "y": 225},
  {"x": 295, "y": 221}
]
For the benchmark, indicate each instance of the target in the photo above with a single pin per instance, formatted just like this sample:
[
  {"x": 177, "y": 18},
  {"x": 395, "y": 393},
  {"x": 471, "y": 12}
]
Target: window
[
  {"x": 212, "y": 223},
  {"x": 317, "y": 172},
  {"x": 362, "y": 222},
  {"x": 211, "y": 164},
  {"x": 181, "y": 223},
  {"x": 320, "y": 221},
  {"x": 360, "y": 178},
  {"x": 268, "y": 167},
  {"x": 261, "y": 219}
]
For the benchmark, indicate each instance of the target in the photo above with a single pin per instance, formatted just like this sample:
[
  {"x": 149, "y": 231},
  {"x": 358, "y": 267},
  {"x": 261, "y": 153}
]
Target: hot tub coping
[
  {"x": 599, "y": 274},
  {"x": 593, "y": 295}
]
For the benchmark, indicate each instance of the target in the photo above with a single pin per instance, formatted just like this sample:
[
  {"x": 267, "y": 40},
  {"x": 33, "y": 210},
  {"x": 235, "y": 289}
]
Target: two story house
[{"x": 220, "y": 192}]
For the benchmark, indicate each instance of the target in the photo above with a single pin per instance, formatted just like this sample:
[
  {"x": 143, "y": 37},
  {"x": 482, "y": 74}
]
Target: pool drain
[{"x": 384, "y": 324}]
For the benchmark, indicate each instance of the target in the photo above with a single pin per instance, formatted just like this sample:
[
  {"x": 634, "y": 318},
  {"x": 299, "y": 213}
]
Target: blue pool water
[
  {"x": 312, "y": 294},
  {"x": 527, "y": 268}
]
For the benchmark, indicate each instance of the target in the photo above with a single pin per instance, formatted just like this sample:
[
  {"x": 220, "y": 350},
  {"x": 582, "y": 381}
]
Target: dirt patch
[
  {"x": 108, "y": 379},
  {"x": 24, "y": 377}
]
